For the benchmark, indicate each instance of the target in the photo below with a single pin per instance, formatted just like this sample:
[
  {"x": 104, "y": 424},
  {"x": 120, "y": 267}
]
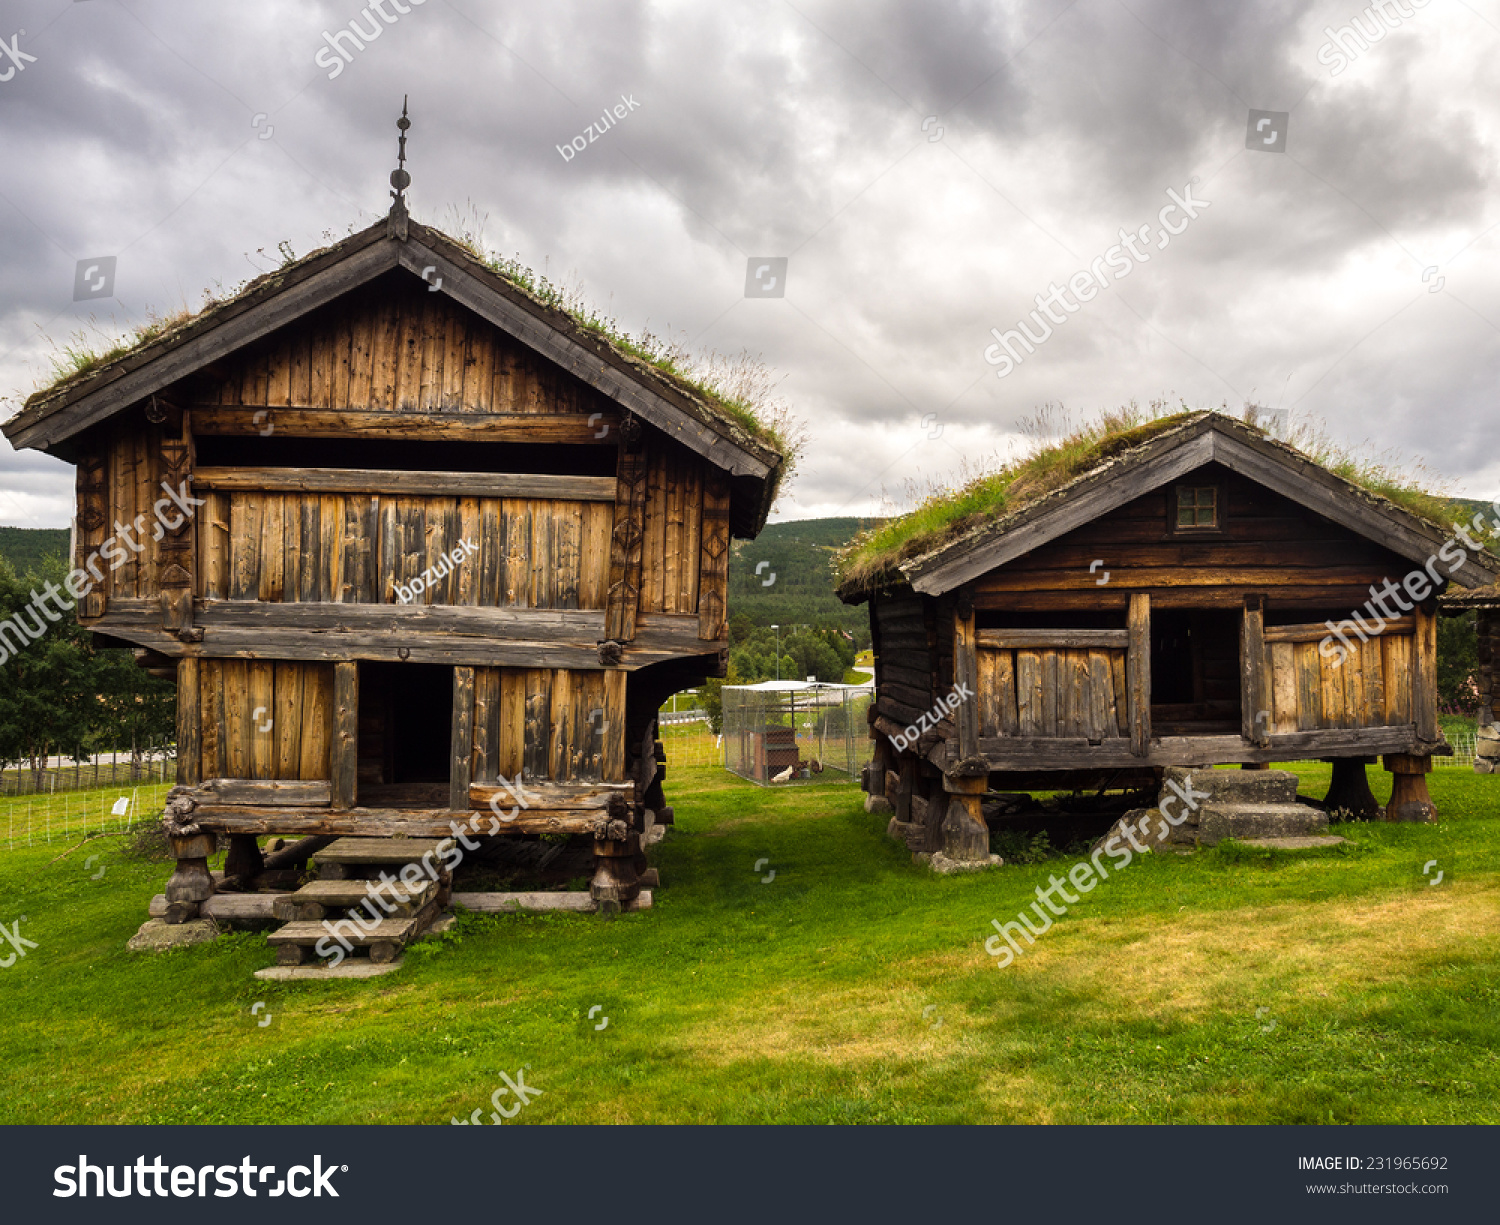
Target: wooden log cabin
[
  {"x": 1174, "y": 605},
  {"x": 447, "y": 546}
]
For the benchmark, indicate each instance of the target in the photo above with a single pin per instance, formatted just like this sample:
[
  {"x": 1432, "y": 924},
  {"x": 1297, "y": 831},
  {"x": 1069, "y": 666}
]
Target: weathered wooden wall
[
  {"x": 1057, "y": 692},
  {"x": 548, "y": 724},
  {"x": 1373, "y": 686},
  {"x": 265, "y": 720},
  {"x": 357, "y": 548}
]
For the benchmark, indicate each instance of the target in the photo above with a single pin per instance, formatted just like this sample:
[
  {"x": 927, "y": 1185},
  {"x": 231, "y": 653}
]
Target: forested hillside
[{"x": 793, "y": 584}]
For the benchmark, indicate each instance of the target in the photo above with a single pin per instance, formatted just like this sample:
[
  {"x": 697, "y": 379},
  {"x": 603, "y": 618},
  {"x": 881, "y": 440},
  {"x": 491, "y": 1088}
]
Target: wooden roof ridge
[
  {"x": 1205, "y": 437},
  {"x": 284, "y": 295}
]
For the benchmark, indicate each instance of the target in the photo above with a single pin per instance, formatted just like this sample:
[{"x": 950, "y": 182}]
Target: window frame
[{"x": 1175, "y": 525}]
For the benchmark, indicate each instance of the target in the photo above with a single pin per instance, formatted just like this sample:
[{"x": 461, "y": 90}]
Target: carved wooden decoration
[
  {"x": 713, "y": 570},
  {"x": 626, "y": 538}
]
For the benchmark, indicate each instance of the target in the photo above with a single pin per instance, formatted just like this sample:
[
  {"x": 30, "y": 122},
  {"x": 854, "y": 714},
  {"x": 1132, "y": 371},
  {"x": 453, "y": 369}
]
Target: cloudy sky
[{"x": 925, "y": 169}]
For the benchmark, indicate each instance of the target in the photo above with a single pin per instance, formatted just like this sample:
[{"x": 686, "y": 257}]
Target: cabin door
[{"x": 1195, "y": 671}]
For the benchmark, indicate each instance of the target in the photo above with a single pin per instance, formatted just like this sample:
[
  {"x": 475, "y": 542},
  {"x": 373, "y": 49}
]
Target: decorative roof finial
[{"x": 400, "y": 181}]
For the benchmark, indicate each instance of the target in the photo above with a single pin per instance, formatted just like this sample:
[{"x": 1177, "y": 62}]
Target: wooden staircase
[{"x": 350, "y": 905}]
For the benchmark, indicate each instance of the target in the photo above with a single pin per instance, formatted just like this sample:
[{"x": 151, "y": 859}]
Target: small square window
[{"x": 1197, "y": 506}]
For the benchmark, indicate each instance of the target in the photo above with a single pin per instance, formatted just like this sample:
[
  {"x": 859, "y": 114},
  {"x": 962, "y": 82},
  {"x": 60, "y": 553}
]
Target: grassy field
[{"x": 851, "y": 987}]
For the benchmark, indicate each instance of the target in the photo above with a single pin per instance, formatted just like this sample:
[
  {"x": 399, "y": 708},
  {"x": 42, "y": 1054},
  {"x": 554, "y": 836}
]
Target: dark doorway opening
[
  {"x": 1195, "y": 672},
  {"x": 405, "y": 728}
]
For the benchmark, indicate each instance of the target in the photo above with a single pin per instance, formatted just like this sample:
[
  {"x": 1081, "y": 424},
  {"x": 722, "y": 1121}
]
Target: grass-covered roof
[
  {"x": 732, "y": 395},
  {"x": 880, "y": 557}
]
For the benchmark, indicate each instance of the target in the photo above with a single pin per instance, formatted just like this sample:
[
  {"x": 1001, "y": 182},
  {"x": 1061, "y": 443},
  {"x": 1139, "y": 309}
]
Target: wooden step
[
  {"x": 378, "y": 851},
  {"x": 348, "y": 968},
  {"x": 317, "y": 898},
  {"x": 387, "y": 931}
]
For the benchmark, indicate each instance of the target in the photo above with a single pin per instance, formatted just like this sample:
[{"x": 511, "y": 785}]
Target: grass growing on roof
[{"x": 946, "y": 511}]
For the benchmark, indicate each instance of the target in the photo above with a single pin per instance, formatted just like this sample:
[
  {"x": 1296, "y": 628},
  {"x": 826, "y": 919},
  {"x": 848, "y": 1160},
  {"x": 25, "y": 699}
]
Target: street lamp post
[{"x": 777, "y": 628}]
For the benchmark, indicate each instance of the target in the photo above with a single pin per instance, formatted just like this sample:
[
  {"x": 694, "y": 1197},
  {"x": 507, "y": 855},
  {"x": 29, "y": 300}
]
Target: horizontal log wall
[
  {"x": 265, "y": 720},
  {"x": 356, "y": 549}
]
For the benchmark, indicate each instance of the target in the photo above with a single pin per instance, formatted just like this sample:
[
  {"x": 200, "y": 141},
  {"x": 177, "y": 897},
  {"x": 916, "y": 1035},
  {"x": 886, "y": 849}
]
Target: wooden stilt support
[
  {"x": 966, "y": 838},
  {"x": 1409, "y": 798},
  {"x": 616, "y": 880},
  {"x": 190, "y": 884},
  {"x": 244, "y": 859},
  {"x": 1350, "y": 791}
]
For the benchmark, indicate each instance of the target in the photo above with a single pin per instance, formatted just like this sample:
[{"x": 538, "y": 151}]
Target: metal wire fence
[
  {"x": 31, "y": 820},
  {"x": 105, "y": 770}
]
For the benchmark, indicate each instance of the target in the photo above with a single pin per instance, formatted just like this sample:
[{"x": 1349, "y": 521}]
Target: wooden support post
[
  {"x": 966, "y": 838},
  {"x": 461, "y": 745},
  {"x": 189, "y": 722},
  {"x": 1349, "y": 790},
  {"x": 190, "y": 884},
  {"x": 908, "y": 770},
  {"x": 93, "y": 519},
  {"x": 1138, "y": 674},
  {"x": 616, "y": 879},
  {"x": 345, "y": 746},
  {"x": 966, "y": 678},
  {"x": 1255, "y": 674},
  {"x": 175, "y": 550},
  {"x": 1409, "y": 798},
  {"x": 244, "y": 860}
]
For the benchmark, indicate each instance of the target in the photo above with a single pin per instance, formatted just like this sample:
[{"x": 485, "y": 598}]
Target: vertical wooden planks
[
  {"x": 317, "y": 721},
  {"x": 713, "y": 565},
  {"x": 344, "y": 763},
  {"x": 966, "y": 679},
  {"x": 1424, "y": 674},
  {"x": 1029, "y": 694},
  {"x": 568, "y": 552},
  {"x": 466, "y": 589},
  {"x": 262, "y": 700},
  {"x": 271, "y": 578},
  {"x": 514, "y": 684},
  {"x": 613, "y": 731},
  {"x": 593, "y": 581},
  {"x": 987, "y": 666},
  {"x": 538, "y": 724},
  {"x": 1396, "y": 662},
  {"x": 244, "y": 546},
  {"x": 486, "y": 725},
  {"x": 653, "y": 553},
  {"x": 543, "y": 554},
  {"x": 1007, "y": 721},
  {"x": 1051, "y": 697},
  {"x": 1138, "y": 673},
  {"x": 236, "y": 686},
  {"x": 1374, "y": 677},
  {"x": 1117, "y": 664},
  {"x": 289, "y": 693},
  {"x": 627, "y": 539},
  {"x": 1255, "y": 683},
  {"x": 1309, "y": 687},
  {"x": 461, "y": 742},
  {"x": 1103, "y": 722},
  {"x": 211, "y": 717},
  {"x": 1353, "y": 676},
  {"x": 563, "y": 733},
  {"x": 122, "y": 581},
  {"x": 214, "y": 546},
  {"x": 1330, "y": 692},
  {"x": 189, "y": 723},
  {"x": 1284, "y": 687},
  {"x": 491, "y": 559}
]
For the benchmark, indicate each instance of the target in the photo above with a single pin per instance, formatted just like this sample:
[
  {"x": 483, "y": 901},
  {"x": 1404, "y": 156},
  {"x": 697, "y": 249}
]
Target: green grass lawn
[{"x": 851, "y": 988}]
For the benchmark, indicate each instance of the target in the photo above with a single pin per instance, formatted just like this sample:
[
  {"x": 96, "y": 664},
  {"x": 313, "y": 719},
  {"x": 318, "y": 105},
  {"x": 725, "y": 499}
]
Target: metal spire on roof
[{"x": 400, "y": 181}]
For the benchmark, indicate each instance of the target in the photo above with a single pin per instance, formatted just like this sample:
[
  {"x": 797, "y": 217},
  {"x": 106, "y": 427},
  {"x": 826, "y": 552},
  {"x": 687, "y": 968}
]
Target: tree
[
  {"x": 47, "y": 704},
  {"x": 712, "y": 697},
  {"x": 1457, "y": 662}
]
